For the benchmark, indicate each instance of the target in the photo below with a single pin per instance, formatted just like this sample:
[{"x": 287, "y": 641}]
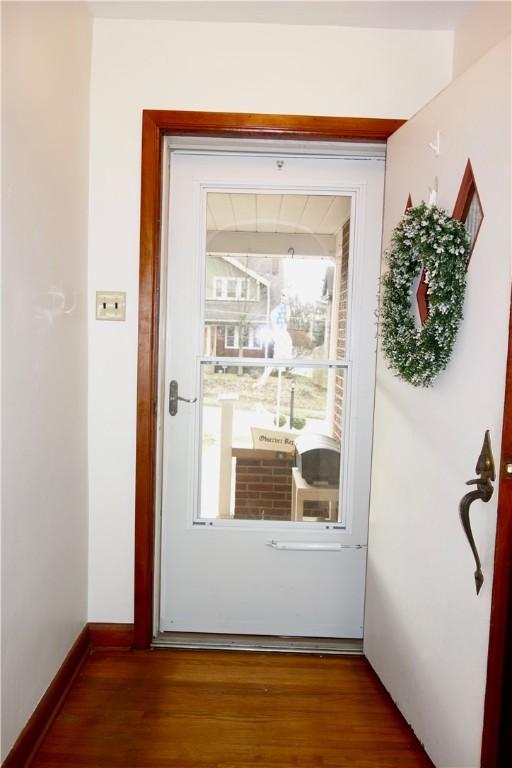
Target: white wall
[
  {"x": 486, "y": 24},
  {"x": 426, "y": 631},
  {"x": 46, "y": 72},
  {"x": 225, "y": 67}
]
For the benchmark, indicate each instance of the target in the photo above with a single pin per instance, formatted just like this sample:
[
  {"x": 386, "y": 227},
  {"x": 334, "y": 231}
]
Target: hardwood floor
[{"x": 198, "y": 709}]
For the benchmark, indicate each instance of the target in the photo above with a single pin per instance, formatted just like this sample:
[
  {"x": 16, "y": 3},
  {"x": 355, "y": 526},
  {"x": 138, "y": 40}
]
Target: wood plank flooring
[{"x": 199, "y": 709}]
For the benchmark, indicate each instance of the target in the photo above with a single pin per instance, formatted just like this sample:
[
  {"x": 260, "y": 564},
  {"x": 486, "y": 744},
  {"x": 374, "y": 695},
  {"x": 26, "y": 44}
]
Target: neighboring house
[
  {"x": 238, "y": 304},
  {"x": 241, "y": 292}
]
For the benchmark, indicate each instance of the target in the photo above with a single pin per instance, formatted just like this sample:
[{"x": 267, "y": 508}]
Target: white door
[{"x": 271, "y": 288}]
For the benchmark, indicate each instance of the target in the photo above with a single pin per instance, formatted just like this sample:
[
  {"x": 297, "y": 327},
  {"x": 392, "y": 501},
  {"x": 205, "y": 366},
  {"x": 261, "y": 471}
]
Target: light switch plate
[{"x": 110, "y": 305}]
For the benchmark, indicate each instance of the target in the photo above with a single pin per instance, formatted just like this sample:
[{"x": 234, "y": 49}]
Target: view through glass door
[{"x": 270, "y": 340}]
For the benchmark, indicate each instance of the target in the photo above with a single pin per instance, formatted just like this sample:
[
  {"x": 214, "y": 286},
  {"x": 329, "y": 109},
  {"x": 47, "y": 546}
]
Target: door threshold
[{"x": 259, "y": 643}]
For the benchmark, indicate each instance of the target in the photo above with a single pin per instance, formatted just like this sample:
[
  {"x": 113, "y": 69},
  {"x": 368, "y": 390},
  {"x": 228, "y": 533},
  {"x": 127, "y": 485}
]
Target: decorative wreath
[{"x": 427, "y": 238}]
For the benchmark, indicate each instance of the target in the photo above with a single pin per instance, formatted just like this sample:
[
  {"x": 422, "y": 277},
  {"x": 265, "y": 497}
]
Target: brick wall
[
  {"x": 341, "y": 329},
  {"x": 263, "y": 484}
]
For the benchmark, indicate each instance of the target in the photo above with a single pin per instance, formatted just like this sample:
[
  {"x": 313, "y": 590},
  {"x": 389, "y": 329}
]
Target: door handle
[
  {"x": 484, "y": 490},
  {"x": 311, "y": 546},
  {"x": 174, "y": 397}
]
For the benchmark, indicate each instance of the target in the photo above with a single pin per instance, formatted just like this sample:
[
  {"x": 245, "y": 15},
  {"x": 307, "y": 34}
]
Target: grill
[{"x": 318, "y": 459}]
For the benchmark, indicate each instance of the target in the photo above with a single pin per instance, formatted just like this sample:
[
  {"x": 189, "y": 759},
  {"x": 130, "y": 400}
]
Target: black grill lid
[{"x": 306, "y": 443}]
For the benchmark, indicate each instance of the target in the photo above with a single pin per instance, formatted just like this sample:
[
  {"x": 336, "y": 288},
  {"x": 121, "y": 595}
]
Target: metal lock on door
[{"x": 174, "y": 397}]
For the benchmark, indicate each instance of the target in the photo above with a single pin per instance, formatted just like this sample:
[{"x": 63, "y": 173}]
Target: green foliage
[
  {"x": 426, "y": 238},
  {"x": 299, "y": 422}
]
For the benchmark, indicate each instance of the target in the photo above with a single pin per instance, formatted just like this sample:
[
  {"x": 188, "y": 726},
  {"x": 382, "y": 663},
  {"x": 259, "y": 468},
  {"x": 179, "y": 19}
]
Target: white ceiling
[
  {"x": 316, "y": 214},
  {"x": 395, "y": 14}
]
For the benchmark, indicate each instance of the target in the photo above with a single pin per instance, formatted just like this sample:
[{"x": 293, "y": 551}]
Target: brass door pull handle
[{"x": 485, "y": 468}]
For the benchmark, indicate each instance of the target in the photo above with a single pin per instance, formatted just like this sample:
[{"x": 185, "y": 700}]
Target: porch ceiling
[{"x": 245, "y": 212}]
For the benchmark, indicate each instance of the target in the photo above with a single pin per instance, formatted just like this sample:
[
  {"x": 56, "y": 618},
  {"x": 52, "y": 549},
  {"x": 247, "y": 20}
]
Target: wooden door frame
[
  {"x": 156, "y": 125},
  {"x": 496, "y": 750}
]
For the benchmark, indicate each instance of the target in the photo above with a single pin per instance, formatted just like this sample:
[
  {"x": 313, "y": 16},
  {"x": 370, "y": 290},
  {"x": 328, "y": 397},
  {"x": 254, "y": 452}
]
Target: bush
[{"x": 299, "y": 422}]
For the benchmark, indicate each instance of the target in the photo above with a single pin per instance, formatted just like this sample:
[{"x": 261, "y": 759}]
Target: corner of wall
[{"x": 484, "y": 26}]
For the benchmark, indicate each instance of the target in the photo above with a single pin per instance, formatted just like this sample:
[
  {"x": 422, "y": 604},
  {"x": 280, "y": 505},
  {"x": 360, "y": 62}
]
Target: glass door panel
[
  {"x": 274, "y": 316},
  {"x": 276, "y": 288},
  {"x": 271, "y": 443}
]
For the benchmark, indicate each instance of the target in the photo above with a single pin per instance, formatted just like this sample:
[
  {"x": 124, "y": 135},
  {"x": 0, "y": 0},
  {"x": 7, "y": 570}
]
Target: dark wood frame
[
  {"x": 108, "y": 635},
  {"x": 496, "y": 739},
  {"x": 49, "y": 705},
  {"x": 92, "y": 636},
  {"x": 466, "y": 191},
  {"x": 157, "y": 124}
]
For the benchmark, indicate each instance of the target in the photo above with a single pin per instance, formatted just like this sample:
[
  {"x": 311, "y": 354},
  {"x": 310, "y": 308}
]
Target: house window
[
  {"x": 236, "y": 289},
  {"x": 249, "y": 334},
  {"x": 252, "y": 340},
  {"x": 232, "y": 288},
  {"x": 231, "y": 337},
  {"x": 473, "y": 218}
]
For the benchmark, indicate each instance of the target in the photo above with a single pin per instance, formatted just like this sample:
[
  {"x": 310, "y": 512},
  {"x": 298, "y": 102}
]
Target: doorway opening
[{"x": 335, "y": 133}]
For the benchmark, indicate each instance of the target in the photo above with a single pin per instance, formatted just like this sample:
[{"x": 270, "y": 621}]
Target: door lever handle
[
  {"x": 484, "y": 490},
  {"x": 174, "y": 397}
]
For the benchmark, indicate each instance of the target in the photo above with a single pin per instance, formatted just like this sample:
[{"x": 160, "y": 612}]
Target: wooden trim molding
[
  {"x": 119, "y": 636},
  {"x": 103, "y": 635},
  {"x": 156, "y": 124},
  {"x": 497, "y": 739},
  {"x": 44, "y": 714},
  {"x": 260, "y": 126},
  {"x": 147, "y": 368},
  {"x": 467, "y": 189}
]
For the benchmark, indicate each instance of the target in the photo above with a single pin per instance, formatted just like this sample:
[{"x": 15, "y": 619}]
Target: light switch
[{"x": 110, "y": 305}]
